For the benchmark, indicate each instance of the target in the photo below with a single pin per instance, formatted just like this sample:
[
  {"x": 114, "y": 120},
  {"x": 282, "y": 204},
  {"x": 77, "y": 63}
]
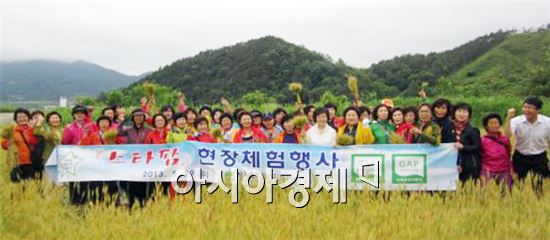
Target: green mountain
[
  {"x": 269, "y": 64},
  {"x": 518, "y": 66},
  {"x": 39, "y": 80},
  {"x": 408, "y": 72}
]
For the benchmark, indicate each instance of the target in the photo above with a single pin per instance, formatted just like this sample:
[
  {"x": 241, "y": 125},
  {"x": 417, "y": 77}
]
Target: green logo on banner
[
  {"x": 358, "y": 161},
  {"x": 409, "y": 168}
]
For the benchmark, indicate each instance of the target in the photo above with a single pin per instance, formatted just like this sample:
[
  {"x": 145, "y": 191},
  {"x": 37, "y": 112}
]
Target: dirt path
[{"x": 5, "y": 118}]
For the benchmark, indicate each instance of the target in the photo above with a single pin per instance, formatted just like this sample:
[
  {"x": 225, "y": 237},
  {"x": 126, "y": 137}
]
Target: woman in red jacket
[
  {"x": 105, "y": 135},
  {"x": 160, "y": 131},
  {"x": 158, "y": 136},
  {"x": 402, "y": 128},
  {"x": 247, "y": 133},
  {"x": 203, "y": 132}
]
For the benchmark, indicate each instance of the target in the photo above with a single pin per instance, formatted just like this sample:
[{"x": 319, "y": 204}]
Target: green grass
[
  {"x": 6, "y": 108},
  {"x": 39, "y": 210}
]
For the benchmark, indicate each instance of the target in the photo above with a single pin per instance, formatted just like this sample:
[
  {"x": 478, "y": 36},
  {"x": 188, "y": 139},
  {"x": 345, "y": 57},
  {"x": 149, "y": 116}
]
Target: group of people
[{"x": 487, "y": 157}]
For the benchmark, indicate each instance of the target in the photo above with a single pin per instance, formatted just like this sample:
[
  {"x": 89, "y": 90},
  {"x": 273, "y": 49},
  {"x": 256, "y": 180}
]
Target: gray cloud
[{"x": 135, "y": 37}]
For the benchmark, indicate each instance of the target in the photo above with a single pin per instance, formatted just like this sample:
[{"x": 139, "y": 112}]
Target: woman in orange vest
[
  {"x": 22, "y": 136},
  {"x": 289, "y": 135}
]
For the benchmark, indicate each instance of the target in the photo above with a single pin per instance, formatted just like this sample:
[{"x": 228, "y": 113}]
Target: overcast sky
[{"x": 134, "y": 37}]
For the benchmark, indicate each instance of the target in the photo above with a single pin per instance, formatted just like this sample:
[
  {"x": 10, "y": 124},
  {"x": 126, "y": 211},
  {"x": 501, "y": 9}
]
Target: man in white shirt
[{"x": 532, "y": 133}]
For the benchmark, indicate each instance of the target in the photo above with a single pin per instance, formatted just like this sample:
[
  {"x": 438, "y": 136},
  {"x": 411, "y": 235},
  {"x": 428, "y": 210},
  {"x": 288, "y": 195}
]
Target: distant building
[{"x": 62, "y": 101}]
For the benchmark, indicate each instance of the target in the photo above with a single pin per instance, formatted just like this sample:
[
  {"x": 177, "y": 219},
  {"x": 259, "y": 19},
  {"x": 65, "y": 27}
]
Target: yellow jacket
[{"x": 363, "y": 136}]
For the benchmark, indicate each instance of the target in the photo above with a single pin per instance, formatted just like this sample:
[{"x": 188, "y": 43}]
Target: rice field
[{"x": 40, "y": 210}]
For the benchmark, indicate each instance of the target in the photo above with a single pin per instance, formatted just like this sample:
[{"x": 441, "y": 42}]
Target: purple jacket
[{"x": 135, "y": 135}]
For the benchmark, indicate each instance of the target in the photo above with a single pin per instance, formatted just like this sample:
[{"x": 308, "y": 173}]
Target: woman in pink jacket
[
  {"x": 74, "y": 132},
  {"x": 495, "y": 153},
  {"x": 72, "y": 135}
]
